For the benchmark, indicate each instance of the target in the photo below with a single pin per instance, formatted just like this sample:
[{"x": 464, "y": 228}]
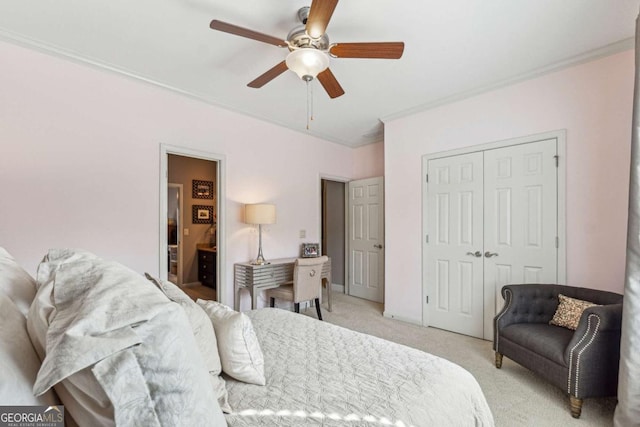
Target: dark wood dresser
[{"x": 207, "y": 267}]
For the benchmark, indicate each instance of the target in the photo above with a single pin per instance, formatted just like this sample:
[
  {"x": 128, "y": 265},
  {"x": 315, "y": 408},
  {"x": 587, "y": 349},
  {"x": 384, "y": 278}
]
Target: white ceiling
[{"x": 453, "y": 48}]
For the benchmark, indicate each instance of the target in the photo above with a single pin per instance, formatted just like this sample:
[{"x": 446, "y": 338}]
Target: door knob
[
  {"x": 490, "y": 254},
  {"x": 377, "y": 246},
  {"x": 476, "y": 254}
]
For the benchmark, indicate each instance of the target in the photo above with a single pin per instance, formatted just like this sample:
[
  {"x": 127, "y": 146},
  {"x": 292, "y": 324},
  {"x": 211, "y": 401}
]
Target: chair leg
[
  {"x": 498, "y": 360},
  {"x": 272, "y": 302},
  {"x": 576, "y": 406},
  {"x": 318, "y": 309},
  {"x": 296, "y": 307}
]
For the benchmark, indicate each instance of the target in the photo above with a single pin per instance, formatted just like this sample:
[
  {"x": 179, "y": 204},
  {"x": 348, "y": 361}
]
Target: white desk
[{"x": 257, "y": 278}]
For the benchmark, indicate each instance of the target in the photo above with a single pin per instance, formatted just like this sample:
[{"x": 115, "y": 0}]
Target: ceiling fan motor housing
[{"x": 298, "y": 38}]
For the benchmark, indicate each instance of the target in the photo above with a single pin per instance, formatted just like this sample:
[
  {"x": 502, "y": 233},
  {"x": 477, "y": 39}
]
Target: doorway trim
[
  {"x": 561, "y": 136},
  {"x": 345, "y": 181},
  {"x": 165, "y": 150}
]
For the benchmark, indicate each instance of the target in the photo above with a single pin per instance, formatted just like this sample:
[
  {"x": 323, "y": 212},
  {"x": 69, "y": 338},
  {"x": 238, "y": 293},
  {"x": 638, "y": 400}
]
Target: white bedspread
[{"x": 322, "y": 374}]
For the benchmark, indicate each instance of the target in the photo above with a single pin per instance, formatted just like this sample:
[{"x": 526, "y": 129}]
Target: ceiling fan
[{"x": 310, "y": 48}]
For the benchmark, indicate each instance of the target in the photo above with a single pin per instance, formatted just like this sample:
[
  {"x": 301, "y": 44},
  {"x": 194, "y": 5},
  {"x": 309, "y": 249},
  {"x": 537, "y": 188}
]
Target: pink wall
[
  {"x": 592, "y": 101},
  {"x": 80, "y": 165},
  {"x": 368, "y": 161}
]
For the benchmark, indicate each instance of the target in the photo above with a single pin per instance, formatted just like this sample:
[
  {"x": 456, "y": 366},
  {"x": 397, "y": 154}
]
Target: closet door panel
[
  {"x": 520, "y": 210},
  {"x": 454, "y": 256}
]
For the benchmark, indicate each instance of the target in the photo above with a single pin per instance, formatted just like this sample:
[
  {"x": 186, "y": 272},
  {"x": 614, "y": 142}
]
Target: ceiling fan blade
[
  {"x": 330, "y": 84},
  {"x": 382, "y": 50},
  {"x": 269, "y": 75},
  {"x": 319, "y": 16},
  {"x": 244, "y": 32}
]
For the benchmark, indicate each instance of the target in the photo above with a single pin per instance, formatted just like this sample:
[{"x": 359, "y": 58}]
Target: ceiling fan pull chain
[
  {"x": 310, "y": 83},
  {"x": 309, "y": 106}
]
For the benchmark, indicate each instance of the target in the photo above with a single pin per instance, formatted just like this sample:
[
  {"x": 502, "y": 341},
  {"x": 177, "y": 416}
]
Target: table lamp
[{"x": 260, "y": 213}]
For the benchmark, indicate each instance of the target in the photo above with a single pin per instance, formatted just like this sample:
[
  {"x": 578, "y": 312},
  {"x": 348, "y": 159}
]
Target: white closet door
[
  {"x": 454, "y": 257},
  {"x": 520, "y": 219},
  {"x": 500, "y": 204}
]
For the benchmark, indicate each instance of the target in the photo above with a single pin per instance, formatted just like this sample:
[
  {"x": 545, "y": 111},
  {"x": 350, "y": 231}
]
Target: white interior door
[
  {"x": 521, "y": 225},
  {"x": 366, "y": 239},
  {"x": 454, "y": 259}
]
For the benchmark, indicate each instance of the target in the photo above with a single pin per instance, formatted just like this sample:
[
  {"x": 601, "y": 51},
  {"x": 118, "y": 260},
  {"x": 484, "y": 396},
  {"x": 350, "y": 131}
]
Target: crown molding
[
  {"x": 592, "y": 55},
  {"x": 371, "y": 138},
  {"x": 55, "y": 51}
]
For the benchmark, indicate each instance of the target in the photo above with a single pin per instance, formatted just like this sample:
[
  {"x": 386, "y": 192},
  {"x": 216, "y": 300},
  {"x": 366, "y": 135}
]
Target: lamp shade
[
  {"x": 260, "y": 213},
  {"x": 307, "y": 62}
]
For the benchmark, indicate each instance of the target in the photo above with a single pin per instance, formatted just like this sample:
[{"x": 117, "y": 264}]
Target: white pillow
[
  {"x": 80, "y": 393},
  {"x": 117, "y": 349},
  {"x": 54, "y": 258},
  {"x": 19, "y": 361},
  {"x": 15, "y": 282},
  {"x": 204, "y": 335},
  {"x": 238, "y": 345}
]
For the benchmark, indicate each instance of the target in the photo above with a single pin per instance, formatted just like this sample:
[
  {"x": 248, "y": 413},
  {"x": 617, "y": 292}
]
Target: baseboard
[
  {"x": 337, "y": 288},
  {"x": 402, "y": 318}
]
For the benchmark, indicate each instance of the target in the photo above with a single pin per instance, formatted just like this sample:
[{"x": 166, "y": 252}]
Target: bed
[
  {"x": 118, "y": 349},
  {"x": 321, "y": 374}
]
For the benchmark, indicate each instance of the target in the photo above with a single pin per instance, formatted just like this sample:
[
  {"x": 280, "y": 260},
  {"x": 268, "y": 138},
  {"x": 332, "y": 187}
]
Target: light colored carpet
[{"x": 516, "y": 396}]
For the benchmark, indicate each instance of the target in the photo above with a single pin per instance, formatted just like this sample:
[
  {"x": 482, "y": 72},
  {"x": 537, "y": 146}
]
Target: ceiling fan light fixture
[{"x": 307, "y": 63}]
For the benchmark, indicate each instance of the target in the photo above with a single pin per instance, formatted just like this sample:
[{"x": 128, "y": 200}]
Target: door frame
[
  {"x": 345, "y": 181},
  {"x": 561, "y": 137},
  {"x": 220, "y": 206}
]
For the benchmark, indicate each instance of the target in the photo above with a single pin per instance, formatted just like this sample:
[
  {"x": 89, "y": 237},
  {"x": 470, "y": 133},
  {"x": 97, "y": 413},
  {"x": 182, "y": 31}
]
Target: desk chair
[{"x": 306, "y": 285}]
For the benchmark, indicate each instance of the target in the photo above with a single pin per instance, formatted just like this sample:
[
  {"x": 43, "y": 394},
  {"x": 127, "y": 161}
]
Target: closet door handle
[
  {"x": 490, "y": 254},
  {"x": 476, "y": 254}
]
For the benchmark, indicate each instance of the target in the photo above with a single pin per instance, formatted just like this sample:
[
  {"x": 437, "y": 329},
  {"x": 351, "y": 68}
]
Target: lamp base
[{"x": 260, "y": 258}]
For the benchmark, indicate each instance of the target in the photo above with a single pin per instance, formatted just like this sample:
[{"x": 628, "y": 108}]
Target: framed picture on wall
[
  {"x": 202, "y": 214},
  {"x": 202, "y": 189},
  {"x": 310, "y": 250}
]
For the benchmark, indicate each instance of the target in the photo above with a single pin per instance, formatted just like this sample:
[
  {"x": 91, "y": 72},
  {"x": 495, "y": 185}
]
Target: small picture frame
[
  {"x": 202, "y": 189},
  {"x": 202, "y": 214},
  {"x": 310, "y": 250}
]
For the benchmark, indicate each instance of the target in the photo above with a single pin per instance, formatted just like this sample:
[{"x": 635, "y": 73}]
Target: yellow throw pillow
[{"x": 569, "y": 312}]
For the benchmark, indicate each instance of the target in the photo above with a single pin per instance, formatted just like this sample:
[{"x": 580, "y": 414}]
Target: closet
[{"x": 491, "y": 217}]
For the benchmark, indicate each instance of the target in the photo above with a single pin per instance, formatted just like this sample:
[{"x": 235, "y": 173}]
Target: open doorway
[
  {"x": 334, "y": 229},
  {"x": 175, "y": 222},
  {"x": 190, "y": 219}
]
